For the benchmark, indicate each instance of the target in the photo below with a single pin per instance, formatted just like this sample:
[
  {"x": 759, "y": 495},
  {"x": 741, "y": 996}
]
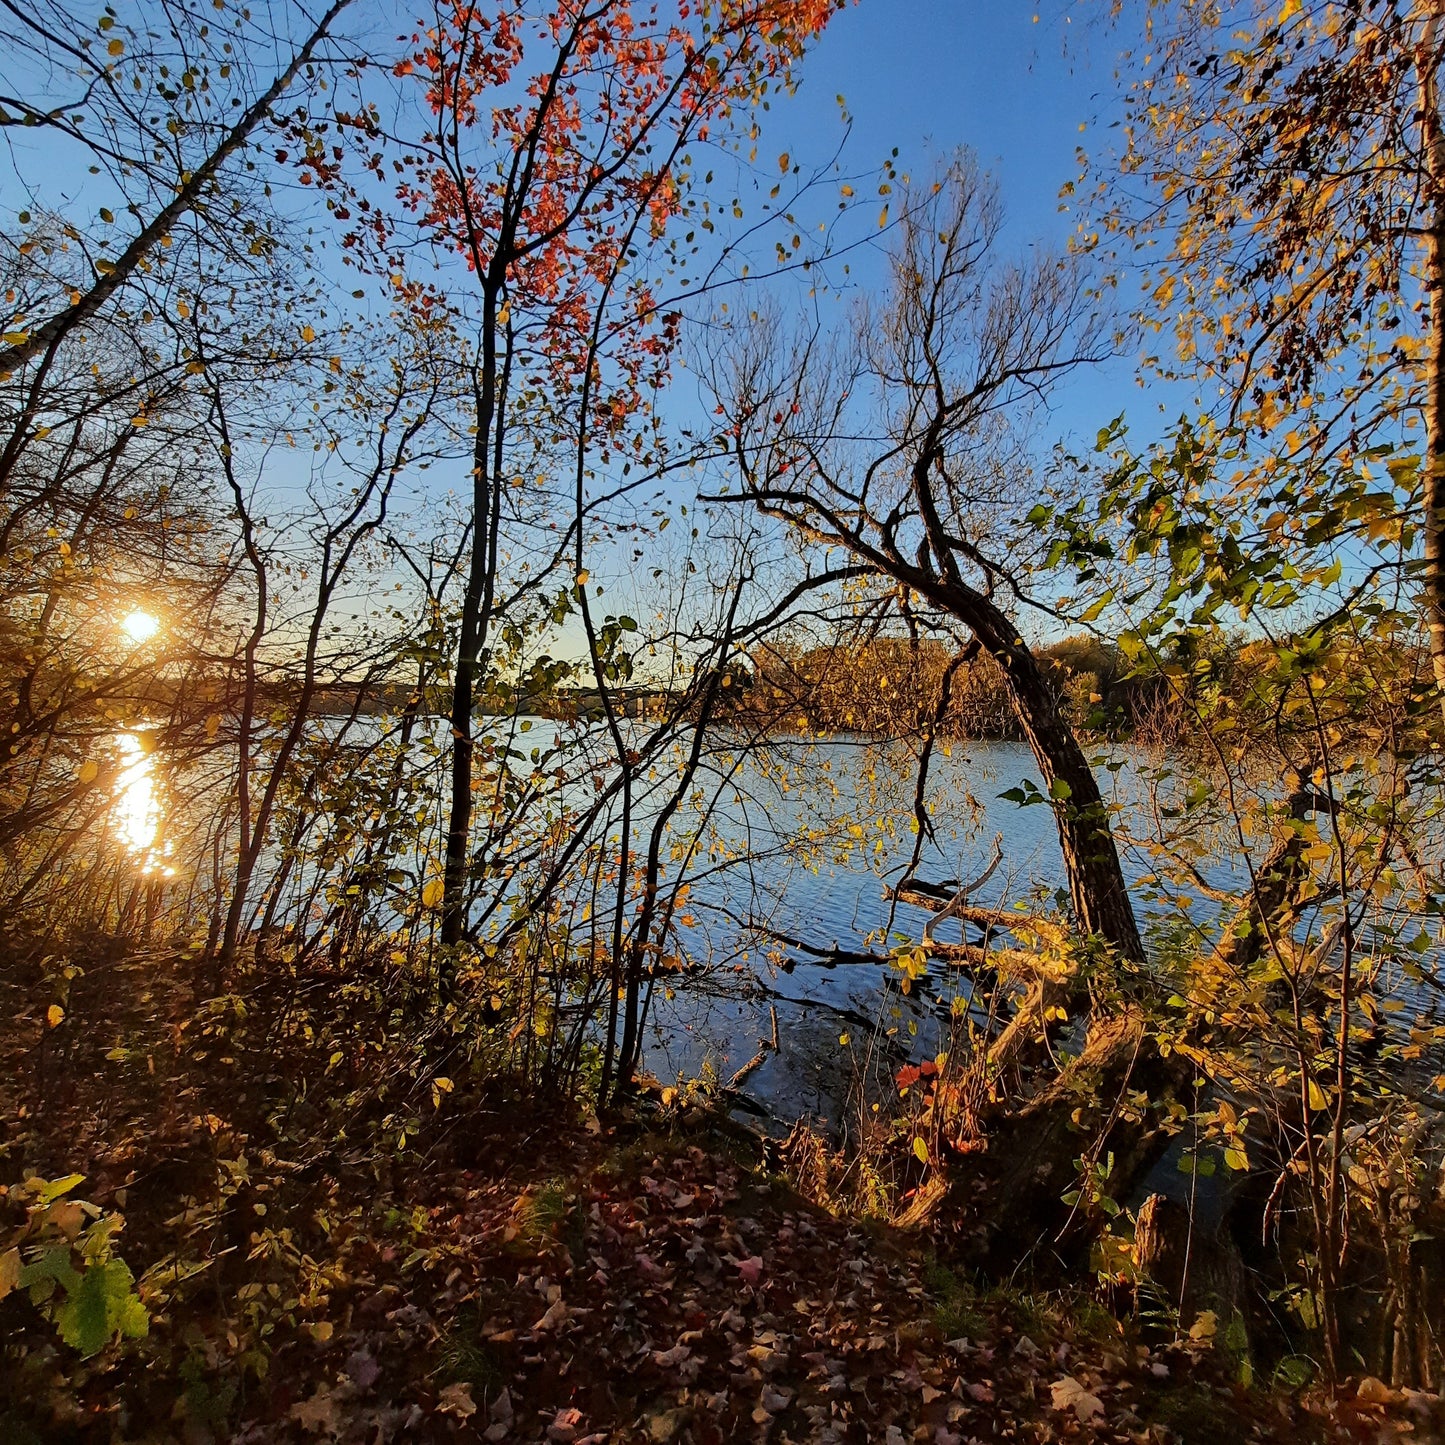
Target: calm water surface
[{"x": 798, "y": 856}]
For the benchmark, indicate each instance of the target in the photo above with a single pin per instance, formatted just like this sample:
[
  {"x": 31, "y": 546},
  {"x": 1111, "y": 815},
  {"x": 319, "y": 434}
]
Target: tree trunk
[
  {"x": 1034, "y": 1150},
  {"x": 1190, "y": 1265},
  {"x": 476, "y": 614},
  {"x": 1108, "y": 1106},
  {"x": 1097, "y": 891},
  {"x": 1434, "y": 478},
  {"x": 1434, "y": 481}
]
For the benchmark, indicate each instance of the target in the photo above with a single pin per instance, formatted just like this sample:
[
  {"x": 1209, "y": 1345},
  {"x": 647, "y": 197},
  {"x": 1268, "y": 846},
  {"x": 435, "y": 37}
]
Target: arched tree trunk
[{"x": 1097, "y": 892}]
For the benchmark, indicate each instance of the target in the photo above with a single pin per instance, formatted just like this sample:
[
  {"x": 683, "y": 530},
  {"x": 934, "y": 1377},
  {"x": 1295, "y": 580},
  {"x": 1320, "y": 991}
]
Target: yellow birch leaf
[{"x": 9, "y": 1271}]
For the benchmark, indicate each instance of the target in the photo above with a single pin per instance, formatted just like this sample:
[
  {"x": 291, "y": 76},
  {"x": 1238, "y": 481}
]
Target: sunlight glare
[
  {"x": 141, "y": 625},
  {"x": 136, "y": 810}
]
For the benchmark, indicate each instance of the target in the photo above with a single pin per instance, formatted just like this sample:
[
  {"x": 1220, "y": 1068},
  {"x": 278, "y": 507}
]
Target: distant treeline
[{"x": 892, "y": 686}]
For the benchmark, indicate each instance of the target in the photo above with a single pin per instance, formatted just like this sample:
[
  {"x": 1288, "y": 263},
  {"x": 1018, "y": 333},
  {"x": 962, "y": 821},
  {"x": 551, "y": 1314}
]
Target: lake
[{"x": 802, "y": 844}]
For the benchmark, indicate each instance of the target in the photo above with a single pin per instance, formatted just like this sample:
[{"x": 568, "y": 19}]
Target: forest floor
[
  {"x": 666, "y": 1290},
  {"x": 524, "y": 1274}
]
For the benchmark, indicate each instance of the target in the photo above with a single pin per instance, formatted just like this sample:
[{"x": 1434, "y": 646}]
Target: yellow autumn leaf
[
  {"x": 307, "y": 334},
  {"x": 10, "y": 1265},
  {"x": 55, "y": 1015},
  {"x": 1236, "y": 1158},
  {"x": 432, "y": 892},
  {"x": 920, "y": 1149},
  {"x": 1317, "y": 1097},
  {"x": 213, "y": 724},
  {"x": 89, "y": 771},
  {"x": 116, "y": 47}
]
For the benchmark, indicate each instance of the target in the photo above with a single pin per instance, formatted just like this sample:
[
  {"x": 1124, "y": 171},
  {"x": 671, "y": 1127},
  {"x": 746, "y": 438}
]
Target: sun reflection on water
[{"x": 137, "y": 809}]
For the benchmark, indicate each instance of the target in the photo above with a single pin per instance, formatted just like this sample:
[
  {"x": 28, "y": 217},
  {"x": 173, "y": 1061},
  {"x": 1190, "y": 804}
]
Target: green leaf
[
  {"x": 54, "y": 1189},
  {"x": 41, "y": 1275},
  {"x": 103, "y": 1306}
]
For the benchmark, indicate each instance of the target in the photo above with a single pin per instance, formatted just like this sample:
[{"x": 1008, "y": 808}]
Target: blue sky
[
  {"x": 1012, "y": 79},
  {"x": 1015, "y": 80},
  {"x": 978, "y": 72}
]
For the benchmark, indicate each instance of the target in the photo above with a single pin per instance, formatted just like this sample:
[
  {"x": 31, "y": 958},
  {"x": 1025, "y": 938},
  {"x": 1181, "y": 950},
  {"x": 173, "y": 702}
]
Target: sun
[{"x": 141, "y": 625}]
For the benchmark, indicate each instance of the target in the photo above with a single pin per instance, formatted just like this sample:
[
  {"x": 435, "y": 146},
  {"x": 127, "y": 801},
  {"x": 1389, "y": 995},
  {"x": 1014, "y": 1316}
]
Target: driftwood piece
[
  {"x": 959, "y": 901},
  {"x": 936, "y": 900},
  {"x": 765, "y": 1047}
]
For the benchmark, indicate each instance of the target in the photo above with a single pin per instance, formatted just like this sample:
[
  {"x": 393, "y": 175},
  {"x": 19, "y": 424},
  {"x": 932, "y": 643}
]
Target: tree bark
[
  {"x": 1191, "y": 1265},
  {"x": 476, "y": 615},
  {"x": 1034, "y": 1150},
  {"x": 1098, "y": 894},
  {"x": 1434, "y": 478}
]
